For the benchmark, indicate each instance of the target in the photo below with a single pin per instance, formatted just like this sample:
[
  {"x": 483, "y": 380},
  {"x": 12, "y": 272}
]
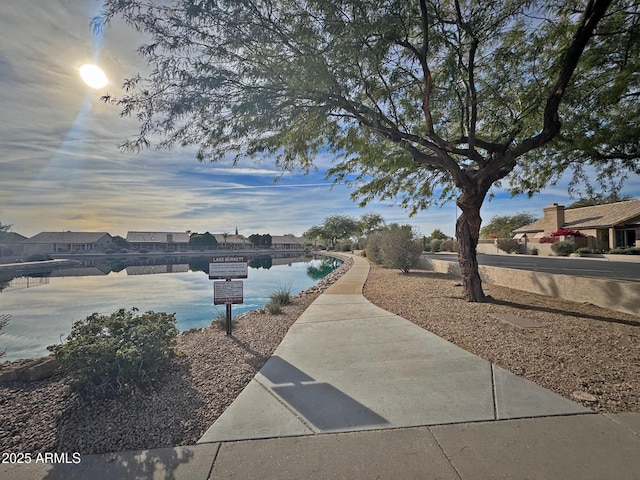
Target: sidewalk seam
[
  {"x": 444, "y": 453},
  {"x": 213, "y": 462},
  {"x": 279, "y": 400},
  {"x": 494, "y": 392}
]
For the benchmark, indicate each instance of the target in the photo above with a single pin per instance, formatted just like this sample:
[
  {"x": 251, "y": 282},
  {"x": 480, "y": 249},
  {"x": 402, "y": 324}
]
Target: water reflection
[{"x": 43, "y": 306}]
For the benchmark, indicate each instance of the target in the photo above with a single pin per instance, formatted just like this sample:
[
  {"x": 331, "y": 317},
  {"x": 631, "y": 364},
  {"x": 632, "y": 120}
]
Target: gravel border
[{"x": 585, "y": 353}]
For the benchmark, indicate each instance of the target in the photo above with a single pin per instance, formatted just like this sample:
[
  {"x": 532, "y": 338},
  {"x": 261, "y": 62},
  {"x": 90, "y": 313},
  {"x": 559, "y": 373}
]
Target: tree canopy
[
  {"x": 502, "y": 226},
  {"x": 334, "y": 228},
  {"x": 420, "y": 101},
  {"x": 202, "y": 241}
]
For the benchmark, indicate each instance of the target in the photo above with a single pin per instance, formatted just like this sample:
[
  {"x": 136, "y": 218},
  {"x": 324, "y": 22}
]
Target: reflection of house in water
[
  {"x": 20, "y": 283},
  {"x": 84, "y": 271},
  {"x": 153, "y": 269}
]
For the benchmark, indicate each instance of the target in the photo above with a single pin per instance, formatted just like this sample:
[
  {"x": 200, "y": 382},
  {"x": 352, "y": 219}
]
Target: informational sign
[
  {"x": 228, "y": 267},
  {"x": 227, "y": 293}
]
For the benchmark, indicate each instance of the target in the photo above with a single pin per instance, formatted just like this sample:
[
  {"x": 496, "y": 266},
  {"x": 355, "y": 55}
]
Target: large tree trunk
[{"x": 468, "y": 233}]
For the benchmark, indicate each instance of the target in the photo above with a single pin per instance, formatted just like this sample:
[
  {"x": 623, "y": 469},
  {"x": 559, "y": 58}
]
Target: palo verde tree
[{"x": 421, "y": 101}]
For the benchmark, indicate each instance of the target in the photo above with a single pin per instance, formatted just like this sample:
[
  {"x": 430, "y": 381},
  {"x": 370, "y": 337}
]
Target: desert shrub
[
  {"x": 447, "y": 245},
  {"x": 220, "y": 320},
  {"x": 344, "y": 247},
  {"x": 373, "y": 247},
  {"x": 427, "y": 246},
  {"x": 562, "y": 248},
  {"x": 535, "y": 251},
  {"x": 119, "y": 351},
  {"x": 584, "y": 250},
  {"x": 274, "y": 307},
  {"x": 281, "y": 295},
  {"x": 508, "y": 245},
  {"x": 436, "y": 244},
  {"x": 399, "y": 247}
]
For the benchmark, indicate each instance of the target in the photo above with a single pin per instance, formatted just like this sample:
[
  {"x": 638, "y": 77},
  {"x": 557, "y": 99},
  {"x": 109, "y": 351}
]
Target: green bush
[
  {"x": 220, "y": 320},
  {"x": 584, "y": 250},
  {"x": 119, "y": 351},
  {"x": 625, "y": 251},
  {"x": 535, "y": 251},
  {"x": 373, "y": 248},
  {"x": 563, "y": 248}
]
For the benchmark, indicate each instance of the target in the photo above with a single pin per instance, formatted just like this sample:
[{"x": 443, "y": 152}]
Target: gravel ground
[
  {"x": 583, "y": 352},
  {"x": 581, "y": 348}
]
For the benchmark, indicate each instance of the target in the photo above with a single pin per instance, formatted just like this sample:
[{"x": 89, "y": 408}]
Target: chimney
[{"x": 553, "y": 218}]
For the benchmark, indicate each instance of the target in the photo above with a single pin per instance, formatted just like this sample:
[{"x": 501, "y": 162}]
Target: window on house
[{"x": 626, "y": 238}]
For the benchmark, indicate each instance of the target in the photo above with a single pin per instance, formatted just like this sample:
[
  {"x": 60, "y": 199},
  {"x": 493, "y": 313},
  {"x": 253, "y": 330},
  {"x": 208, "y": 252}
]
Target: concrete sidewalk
[{"x": 356, "y": 392}]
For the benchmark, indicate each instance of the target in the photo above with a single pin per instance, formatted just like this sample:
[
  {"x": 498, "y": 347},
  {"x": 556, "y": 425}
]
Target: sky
[{"x": 61, "y": 168}]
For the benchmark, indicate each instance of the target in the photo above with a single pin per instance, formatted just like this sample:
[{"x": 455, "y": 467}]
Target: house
[
  {"x": 613, "y": 225},
  {"x": 9, "y": 243},
  {"x": 287, "y": 242},
  {"x": 159, "y": 241},
  {"x": 227, "y": 241},
  {"x": 66, "y": 242}
]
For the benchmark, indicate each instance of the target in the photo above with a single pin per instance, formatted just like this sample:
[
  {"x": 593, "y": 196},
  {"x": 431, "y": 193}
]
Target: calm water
[{"x": 43, "y": 309}]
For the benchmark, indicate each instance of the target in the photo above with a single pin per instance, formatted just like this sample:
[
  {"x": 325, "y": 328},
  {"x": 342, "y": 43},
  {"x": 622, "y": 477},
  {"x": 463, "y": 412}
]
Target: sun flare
[{"x": 93, "y": 76}]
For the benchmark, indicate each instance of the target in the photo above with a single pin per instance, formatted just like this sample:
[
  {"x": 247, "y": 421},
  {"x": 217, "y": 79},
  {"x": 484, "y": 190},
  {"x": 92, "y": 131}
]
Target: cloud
[{"x": 61, "y": 167}]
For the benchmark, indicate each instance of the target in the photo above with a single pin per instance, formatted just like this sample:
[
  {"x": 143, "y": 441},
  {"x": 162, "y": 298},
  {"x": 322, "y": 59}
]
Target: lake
[{"x": 43, "y": 308}]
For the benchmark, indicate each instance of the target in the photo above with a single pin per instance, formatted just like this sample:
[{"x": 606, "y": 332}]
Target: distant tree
[
  {"x": 204, "y": 241},
  {"x": 599, "y": 199},
  {"x": 3, "y": 229},
  {"x": 119, "y": 242},
  {"x": 502, "y": 226},
  {"x": 370, "y": 222},
  {"x": 261, "y": 241},
  {"x": 438, "y": 234},
  {"x": 335, "y": 228}
]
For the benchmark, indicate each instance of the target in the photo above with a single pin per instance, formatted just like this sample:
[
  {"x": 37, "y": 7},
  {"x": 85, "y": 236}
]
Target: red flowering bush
[
  {"x": 565, "y": 232},
  {"x": 549, "y": 240}
]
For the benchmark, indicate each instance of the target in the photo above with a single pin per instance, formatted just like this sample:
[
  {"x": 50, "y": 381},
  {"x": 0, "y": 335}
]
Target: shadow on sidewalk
[{"x": 321, "y": 404}]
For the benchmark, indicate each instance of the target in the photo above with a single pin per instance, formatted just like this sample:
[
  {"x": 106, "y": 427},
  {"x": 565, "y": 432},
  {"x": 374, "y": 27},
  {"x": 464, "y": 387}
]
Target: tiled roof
[
  {"x": 67, "y": 237},
  {"x": 598, "y": 216},
  {"x": 286, "y": 239},
  {"x": 157, "y": 237},
  {"x": 11, "y": 238}
]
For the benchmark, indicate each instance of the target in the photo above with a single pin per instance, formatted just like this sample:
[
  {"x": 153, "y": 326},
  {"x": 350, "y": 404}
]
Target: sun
[{"x": 93, "y": 75}]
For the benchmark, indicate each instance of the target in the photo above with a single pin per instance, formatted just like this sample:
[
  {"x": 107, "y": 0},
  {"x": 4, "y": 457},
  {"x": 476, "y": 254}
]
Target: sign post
[{"x": 228, "y": 292}]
